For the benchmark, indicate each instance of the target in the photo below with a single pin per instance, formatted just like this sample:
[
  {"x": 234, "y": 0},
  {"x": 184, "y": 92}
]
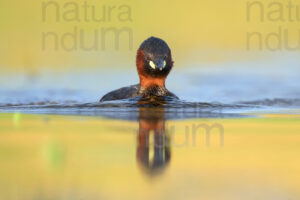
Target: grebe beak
[{"x": 160, "y": 64}]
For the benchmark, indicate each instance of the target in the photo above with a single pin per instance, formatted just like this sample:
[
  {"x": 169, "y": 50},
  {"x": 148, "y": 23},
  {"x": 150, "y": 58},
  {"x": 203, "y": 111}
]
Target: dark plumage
[
  {"x": 154, "y": 62},
  {"x": 134, "y": 91},
  {"x": 122, "y": 93}
]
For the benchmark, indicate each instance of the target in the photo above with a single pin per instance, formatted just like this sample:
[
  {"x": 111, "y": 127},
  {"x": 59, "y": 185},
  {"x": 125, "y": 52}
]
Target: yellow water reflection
[{"x": 65, "y": 157}]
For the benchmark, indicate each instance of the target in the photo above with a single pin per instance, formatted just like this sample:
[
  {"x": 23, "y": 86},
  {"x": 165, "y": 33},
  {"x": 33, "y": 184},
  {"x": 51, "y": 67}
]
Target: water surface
[{"x": 234, "y": 134}]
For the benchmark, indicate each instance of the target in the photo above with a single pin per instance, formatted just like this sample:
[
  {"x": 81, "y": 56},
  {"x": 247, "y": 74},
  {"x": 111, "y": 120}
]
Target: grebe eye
[
  {"x": 152, "y": 65},
  {"x": 148, "y": 58}
]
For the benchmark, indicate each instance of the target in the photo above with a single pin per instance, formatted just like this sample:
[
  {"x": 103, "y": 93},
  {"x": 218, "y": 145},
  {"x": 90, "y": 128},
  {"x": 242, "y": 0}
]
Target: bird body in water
[{"x": 154, "y": 63}]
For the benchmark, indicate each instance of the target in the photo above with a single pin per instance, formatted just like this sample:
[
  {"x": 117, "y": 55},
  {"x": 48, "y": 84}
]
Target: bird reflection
[{"x": 153, "y": 149}]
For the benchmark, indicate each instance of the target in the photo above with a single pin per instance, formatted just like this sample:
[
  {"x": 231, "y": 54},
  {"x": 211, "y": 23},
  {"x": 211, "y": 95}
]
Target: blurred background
[
  {"x": 78, "y": 50},
  {"x": 66, "y": 52}
]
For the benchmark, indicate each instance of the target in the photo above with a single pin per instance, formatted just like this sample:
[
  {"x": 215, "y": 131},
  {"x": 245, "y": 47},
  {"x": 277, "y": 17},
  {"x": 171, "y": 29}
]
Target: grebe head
[{"x": 154, "y": 59}]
